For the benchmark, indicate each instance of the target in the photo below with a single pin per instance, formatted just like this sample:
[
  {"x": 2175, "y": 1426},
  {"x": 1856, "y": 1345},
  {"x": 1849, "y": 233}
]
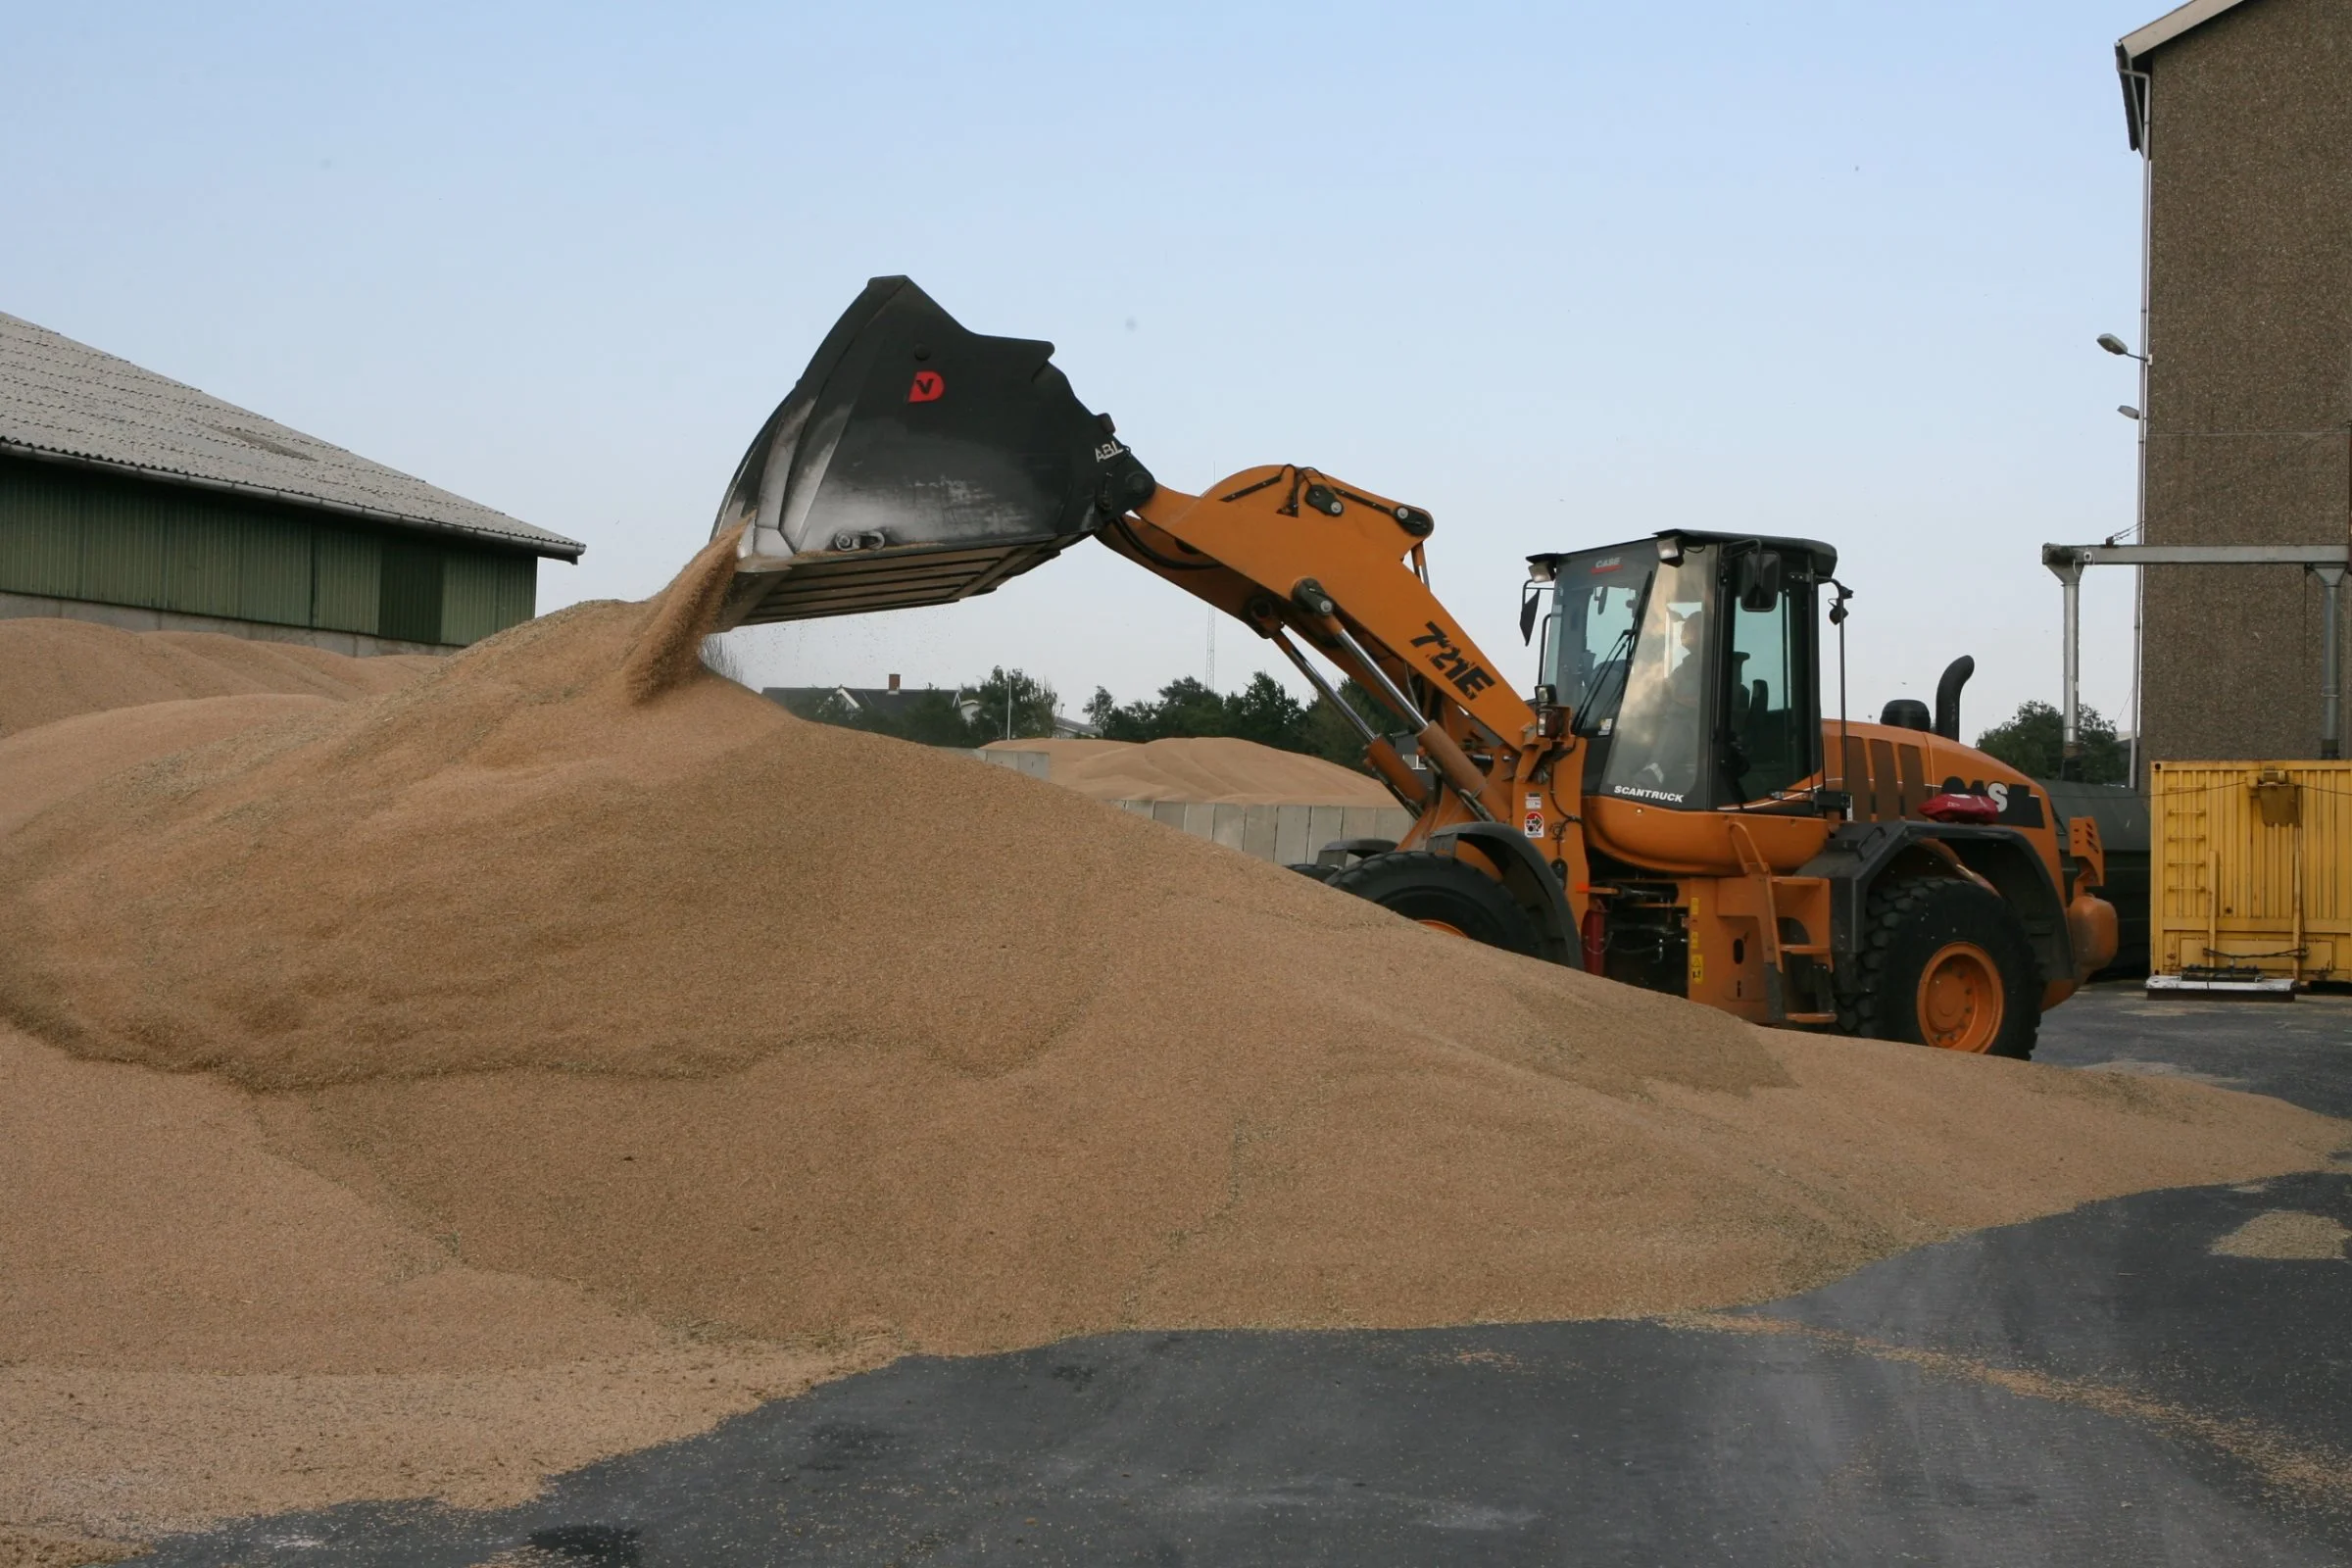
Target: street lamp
[{"x": 2137, "y": 415}]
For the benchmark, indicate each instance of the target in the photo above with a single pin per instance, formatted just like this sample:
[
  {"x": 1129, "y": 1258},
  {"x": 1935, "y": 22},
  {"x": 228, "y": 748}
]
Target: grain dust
[{"x": 2287, "y": 1235}]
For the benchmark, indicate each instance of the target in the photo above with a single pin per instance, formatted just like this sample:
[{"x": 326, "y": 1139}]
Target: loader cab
[{"x": 1689, "y": 665}]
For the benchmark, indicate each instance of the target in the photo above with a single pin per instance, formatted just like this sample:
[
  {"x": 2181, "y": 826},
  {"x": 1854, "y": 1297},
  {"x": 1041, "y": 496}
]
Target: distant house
[
  {"x": 2243, "y": 111},
  {"x": 132, "y": 500},
  {"x": 892, "y": 704}
]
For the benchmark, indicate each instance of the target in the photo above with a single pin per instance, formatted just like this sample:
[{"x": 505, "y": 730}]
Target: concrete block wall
[
  {"x": 1287, "y": 835},
  {"x": 1036, "y": 764}
]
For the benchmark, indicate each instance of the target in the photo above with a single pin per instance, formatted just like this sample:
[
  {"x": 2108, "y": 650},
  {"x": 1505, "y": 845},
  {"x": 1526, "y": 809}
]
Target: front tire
[
  {"x": 1944, "y": 963},
  {"x": 1444, "y": 893}
]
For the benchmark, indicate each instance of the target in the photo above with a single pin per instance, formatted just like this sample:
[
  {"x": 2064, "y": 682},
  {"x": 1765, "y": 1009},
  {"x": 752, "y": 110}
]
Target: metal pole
[
  {"x": 2070, "y": 576},
  {"x": 2329, "y": 561},
  {"x": 2139, "y": 605},
  {"x": 2331, "y": 582},
  {"x": 1315, "y": 679},
  {"x": 2147, "y": 275},
  {"x": 1436, "y": 745}
]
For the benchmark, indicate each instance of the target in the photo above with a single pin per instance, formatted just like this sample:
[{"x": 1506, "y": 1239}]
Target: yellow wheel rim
[
  {"x": 1445, "y": 926},
  {"x": 1960, "y": 1005}
]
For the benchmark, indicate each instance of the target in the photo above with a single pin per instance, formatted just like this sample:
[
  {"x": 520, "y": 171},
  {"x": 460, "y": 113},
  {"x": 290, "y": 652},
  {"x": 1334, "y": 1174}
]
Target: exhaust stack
[
  {"x": 1947, "y": 696},
  {"x": 917, "y": 463}
]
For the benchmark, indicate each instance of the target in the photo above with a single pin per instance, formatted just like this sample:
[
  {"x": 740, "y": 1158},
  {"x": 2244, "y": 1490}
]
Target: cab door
[{"x": 1768, "y": 728}]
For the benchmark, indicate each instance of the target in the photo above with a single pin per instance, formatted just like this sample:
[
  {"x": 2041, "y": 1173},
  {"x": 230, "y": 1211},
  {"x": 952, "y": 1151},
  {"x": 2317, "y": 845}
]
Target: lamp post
[{"x": 2137, "y": 414}]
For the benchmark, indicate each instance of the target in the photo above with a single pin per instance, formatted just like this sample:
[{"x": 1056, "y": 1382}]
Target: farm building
[
  {"x": 2239, "y": 108},
  {"x": 893, "y": 707},
  {"x": 134, "y": 500}
]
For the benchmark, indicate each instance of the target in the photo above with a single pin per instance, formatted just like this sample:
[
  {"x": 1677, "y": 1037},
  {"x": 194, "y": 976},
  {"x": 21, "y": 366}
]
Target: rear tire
[
  {"x": 1443, "y": 892},
  {"x": 1943, "y": 963}
]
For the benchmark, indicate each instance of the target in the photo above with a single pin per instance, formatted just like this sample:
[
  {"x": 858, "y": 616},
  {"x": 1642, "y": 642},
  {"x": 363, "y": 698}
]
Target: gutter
[
  {"x": 564, "y": 550},
  {"x": 2135, "y": 98}
]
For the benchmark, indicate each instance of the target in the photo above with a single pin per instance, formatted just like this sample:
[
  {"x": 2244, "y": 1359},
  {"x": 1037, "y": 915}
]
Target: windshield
[
  {"x": 1658, "y": 734},
  {"x": 1590, "y": 632}
]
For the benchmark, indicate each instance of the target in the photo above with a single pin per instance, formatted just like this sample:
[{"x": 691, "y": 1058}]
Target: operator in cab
[{"x": 1657, "y": 750}]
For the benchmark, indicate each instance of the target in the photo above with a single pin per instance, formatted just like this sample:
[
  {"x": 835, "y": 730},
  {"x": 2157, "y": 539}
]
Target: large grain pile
[
  {"x": 489, "y": 1053},
  {"x": 1214, "y": 769},
  {"x": 57, "y": 668}
]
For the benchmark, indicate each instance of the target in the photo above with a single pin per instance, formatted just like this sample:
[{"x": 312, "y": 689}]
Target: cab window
[
  {"x": 1590, "y": 633},
  {"x": 1767, "y": 730},
  {"x": 1660, "y": 727}
]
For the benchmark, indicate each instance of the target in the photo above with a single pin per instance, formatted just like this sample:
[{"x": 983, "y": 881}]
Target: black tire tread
[
  {"x": 1896, "y": 906},
  {"x": 1475, "y": 902}
]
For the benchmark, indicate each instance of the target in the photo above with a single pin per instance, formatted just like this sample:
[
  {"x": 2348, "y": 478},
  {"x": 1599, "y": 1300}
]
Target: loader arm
[
  {"x": 918, "y": 463},
  {"x": 1288, "y": 551}
]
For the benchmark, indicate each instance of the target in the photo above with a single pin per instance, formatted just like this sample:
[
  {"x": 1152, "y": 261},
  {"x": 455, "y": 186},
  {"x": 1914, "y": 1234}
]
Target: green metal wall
[
  {"x": 483, "y": 593},
  {"x": 76, "y": 533}
]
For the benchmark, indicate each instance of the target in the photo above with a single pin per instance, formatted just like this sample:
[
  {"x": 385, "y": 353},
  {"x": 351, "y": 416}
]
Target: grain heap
[
  {"x": 57, "y": 668},
  {"x": 569, "y": 1047},
  {"x": 1210, "y": 769}
]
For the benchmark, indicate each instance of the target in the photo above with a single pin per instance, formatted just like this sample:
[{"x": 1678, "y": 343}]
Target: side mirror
[
  {"x": 1758, "y": 581},
  {"x": 1531, "y": 604}
]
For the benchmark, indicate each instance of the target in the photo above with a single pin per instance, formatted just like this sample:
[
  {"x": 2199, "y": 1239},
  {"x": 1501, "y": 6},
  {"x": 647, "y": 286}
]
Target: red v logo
[{"x": 929, "y": 386}]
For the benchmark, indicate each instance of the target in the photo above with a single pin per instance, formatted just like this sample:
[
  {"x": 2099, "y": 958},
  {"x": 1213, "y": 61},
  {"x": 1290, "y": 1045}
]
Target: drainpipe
[
  {"x": 2331, "y": 582},
  {"x": 2147, "y": 268},
  {"x": 2070, "y": 574}
]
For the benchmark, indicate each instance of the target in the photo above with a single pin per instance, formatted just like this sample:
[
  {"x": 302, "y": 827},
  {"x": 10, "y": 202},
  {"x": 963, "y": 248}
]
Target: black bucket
[{"x": 917, "y": 463}]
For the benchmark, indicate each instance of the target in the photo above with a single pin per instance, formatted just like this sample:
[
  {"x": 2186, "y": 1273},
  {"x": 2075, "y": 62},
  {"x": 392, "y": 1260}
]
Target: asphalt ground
[{"x": 2094, "y": 1388}]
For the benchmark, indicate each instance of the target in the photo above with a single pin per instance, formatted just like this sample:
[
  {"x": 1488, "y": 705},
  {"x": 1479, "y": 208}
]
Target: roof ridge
[
  {"x": 2171, "y": 25},
  {"x": 63, "y": 400}
]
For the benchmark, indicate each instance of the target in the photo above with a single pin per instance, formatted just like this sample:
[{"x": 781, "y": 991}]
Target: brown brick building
[{"x": 2244, "y": 111}]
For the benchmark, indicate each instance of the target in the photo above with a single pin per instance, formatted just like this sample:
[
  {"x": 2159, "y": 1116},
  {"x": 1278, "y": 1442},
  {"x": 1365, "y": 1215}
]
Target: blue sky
[{"x": 1562, "y": 274}]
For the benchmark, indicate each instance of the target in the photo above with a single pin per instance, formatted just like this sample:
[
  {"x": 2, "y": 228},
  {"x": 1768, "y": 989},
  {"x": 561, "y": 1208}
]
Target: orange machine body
[
  {"x": 1667, "y": 806},
  {"x": 1297, "y": 555}
]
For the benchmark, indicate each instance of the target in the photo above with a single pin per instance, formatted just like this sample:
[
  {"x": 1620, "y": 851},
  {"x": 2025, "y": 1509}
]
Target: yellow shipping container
[{"x": 2253, "y": 869}]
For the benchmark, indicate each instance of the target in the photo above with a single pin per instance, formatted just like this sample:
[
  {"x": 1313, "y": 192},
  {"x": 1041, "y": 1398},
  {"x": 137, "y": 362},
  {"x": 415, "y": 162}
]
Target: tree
[
  {"x": 1328, "y": 734},
  {"x": 1185, "y": 708},
  {"x": 1189, "y": 708},
  {"x": 2033, "y": 741},
  {"x": 1099, "y": 707},
  {"x": 1033, "y": 704},
  {"x": 1262, "y": 712},
  {"x": 968, "y": 716},
  {"x": 826, "y": 707},
  {"x": 934, "y": 719}
]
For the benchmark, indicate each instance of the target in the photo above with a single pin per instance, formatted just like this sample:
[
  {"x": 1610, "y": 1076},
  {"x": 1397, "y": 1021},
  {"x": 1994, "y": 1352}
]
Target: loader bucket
[{"x": 916, "y": 464}]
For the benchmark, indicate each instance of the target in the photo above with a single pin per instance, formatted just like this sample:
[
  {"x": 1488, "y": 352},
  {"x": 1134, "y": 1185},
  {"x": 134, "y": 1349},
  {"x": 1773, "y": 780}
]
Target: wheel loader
[{"x": 1670, "y": 807}]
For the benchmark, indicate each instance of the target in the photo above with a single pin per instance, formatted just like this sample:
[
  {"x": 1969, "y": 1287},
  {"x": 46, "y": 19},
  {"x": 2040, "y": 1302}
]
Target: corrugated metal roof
[{"x": 67, "y": 400}]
